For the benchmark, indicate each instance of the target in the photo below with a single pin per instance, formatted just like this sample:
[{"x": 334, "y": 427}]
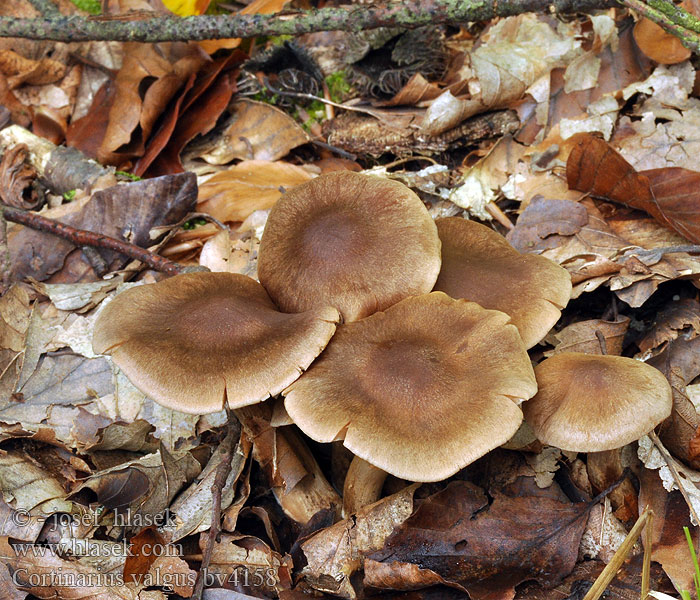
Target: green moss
[
  {"x": 91, "y": 6},
  {"x": 192, "y": 223},
  {"x": 276, "y": 40},
  {"x": 69, "y": 195},
  {"x": 126, "y": 175},
  {"x": 338, "y": 86}
]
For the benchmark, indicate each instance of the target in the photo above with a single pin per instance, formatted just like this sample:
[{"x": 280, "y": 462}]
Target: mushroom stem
[{"x": 363, "y": 485}]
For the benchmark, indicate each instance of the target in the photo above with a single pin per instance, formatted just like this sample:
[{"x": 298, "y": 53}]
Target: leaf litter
[{"x": 563, "y": 136}]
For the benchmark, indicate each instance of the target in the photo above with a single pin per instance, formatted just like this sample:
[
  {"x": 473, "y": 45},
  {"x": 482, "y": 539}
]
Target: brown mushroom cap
[
  {"x": 357, "y": 242},
  {"x": 479, "y": 265},
  {"x": 192, "y": 340},
  {"x": 590, "y": 403},
  {"x": 420, "y": 390}
]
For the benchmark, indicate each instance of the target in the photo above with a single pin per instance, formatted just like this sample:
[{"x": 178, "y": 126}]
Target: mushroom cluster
[{"x": 429, "y": 368}]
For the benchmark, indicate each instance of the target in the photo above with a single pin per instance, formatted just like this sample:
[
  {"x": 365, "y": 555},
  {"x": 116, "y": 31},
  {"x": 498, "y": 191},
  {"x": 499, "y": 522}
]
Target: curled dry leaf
[
  {"x": 250, "y": 185},
  {"x": 608, "y": 467},
  {"x": 144, "y": 487},
  {"x": 19, "y": 69},
  {"x": 453, "y": 539},
  {"x": 335, "y": 553},
  {"x": 199, "y": 104},
  {"x": 255, "y": 131},
  {"x": 514, "y": 54},
  {"x": 246, "y": 562},
  {"x": 660, "y": 45},
  {"x": 161, "y": 69},
  {"x": 291, "y": 469},
  {"x": 16, "y": 178},
  {"x": 681, "y": 318}
]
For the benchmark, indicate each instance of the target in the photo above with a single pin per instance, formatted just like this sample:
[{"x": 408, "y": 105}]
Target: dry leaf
[
  {"x": 456, "y": 538},
  {"x": 251, "y": 185},
  {"x": 255, "y": 131},
  {"x": 335, "y": 553},
  {"x": 583, "y": 337}
]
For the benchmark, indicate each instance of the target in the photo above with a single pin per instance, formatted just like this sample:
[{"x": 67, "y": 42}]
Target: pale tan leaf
[{"x": 251, "y": 185}]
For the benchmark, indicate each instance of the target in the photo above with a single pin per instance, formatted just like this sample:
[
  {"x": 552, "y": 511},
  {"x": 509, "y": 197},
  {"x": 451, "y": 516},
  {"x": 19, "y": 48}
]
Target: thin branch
[
  {"x": 677, "y": 14},
  {"x": 408, "y": 13},
  {"x": 686, "y": 36},
  {"x": 223, "y": 470},
  {"x": 82, "y": 237}
]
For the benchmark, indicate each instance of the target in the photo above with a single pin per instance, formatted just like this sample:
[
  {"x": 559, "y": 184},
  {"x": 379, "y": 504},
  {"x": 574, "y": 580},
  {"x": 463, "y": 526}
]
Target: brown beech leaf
[
  {"x": 595, "y": 168},
  {"x": 147, "y": 81},
  {"x": 333, "y": 554},
  {"x": 145, "y": 548},
  {"x": 453, "y": 539},
  {"x": 677, "y": 198},
  {"x": 250, "y": 185},
  {"x": 659, "y": 45},
  {"x": 254, "y": 131},
  {"x": 195, "y": 112},
  {"x": 670, "y": 195},
  {"x": 543, "y": 223},
  {"x": 608, "y": 467}
]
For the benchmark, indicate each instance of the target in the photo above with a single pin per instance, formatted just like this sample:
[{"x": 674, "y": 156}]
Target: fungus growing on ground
[
  {"x": 193, "y": 340},
  {"x": 357, "y": 242},
  {"x": 590, "y": 403},
  {"x": 479, "y": 265},
  {"x": 419, "y": 391}
]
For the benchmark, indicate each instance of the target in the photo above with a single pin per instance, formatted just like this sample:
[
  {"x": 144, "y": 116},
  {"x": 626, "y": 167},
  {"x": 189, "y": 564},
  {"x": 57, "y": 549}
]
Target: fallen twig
[
  {"x": 676, "y": 23},
  {"x": 222, "y": 472},
  {"x": 82, "y": 237},
  {"x": 408, "y": 13}
]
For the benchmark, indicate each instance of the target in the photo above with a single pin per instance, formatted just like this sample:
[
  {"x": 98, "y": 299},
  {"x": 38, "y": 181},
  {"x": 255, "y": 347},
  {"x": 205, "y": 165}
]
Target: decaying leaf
[
  {"x": 255, "y": 131},
  {"x": 126, "y": 212},
  {"x": 516, "y": 52},
  {"x": 584, "y": 336},
  {"x": 193, "y": 506},
  {"x": 335, "y": 553},
  {"x": 456, "y": 538}
]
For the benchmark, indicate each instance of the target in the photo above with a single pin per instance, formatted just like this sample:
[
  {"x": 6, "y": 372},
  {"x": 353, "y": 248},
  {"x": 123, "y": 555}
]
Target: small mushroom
[
  {"x": 420, "y": 391},
  {"x": 591, "y": 403},
  {"x": 357, "y": 242},
  {"x": 479, "y": 265},
  {"x": 193, "y": 340}
]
